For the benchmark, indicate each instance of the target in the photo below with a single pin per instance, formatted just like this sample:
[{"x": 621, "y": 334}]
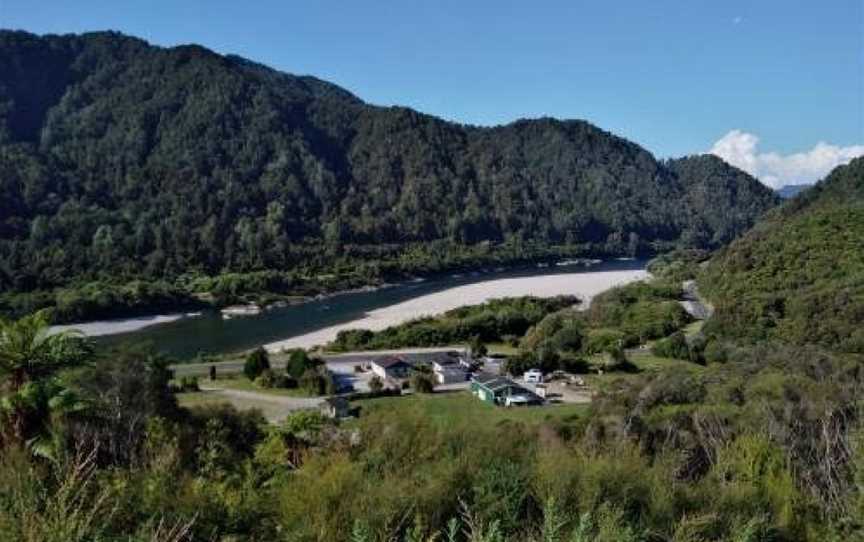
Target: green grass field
[
  {"x": 458, "y": 408},
  {"x": 193, "y": 399},
  {"x": 650, "y": 362},
  {"x": 693, "y": 328},
  {"x": 502, "y": 348}
]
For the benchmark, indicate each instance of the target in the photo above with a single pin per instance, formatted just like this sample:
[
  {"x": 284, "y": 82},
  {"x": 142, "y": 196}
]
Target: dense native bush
[
  {"x": 560, "y": 330},
  {"x": 621, "y": 318},
  {"x": 645, "y": 310},
  {"x": 678, "y": 265},
  {"x": 487, "y": 322},
  {"x": 799, "y": 276}
]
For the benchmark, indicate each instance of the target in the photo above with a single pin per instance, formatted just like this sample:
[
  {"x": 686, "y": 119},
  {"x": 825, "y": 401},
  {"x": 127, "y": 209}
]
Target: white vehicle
[{"x": 534, "y": 376}]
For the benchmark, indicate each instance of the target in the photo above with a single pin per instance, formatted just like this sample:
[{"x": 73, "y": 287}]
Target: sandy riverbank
[
  {"x": 121, "y": 325},
  {"x": 584, "y": 285}
]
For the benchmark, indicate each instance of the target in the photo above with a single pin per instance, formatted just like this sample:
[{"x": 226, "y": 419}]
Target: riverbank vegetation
[
  {"x": 622, "y": 318},
  {"x": 549, "y": 333},
  {"x": 497, "y": 320},
  {"x": 118, "y": 296}
]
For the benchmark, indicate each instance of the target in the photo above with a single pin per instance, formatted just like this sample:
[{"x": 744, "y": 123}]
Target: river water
[{"x": 318, "y": 321}]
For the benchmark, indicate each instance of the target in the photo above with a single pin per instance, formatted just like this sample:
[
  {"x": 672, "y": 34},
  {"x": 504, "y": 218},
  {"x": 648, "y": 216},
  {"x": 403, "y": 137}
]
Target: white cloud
[{"x": 776, "y": 170}]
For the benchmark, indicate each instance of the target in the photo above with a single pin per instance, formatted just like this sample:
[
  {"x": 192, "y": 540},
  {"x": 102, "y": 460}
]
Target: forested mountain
[
  {"x": 121, "y": 161},
  {"x": 798, "y": 276}
]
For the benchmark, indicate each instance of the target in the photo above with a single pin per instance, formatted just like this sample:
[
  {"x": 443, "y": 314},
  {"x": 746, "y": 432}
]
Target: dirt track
[{"x": 274, "y": 407}]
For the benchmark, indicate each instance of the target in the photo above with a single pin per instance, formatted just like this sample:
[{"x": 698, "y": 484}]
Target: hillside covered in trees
[
  {"x": 180, "y": 171},
  {"x": 798, "y": 276}
]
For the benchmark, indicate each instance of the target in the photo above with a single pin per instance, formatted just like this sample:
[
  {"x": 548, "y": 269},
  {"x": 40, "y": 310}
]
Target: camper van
[{"x": 534, "y": 376}]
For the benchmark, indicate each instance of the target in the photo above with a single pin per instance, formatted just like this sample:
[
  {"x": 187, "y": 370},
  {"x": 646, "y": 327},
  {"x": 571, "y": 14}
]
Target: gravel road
[
  {"x": 693, "y": 303},
  {"x": 274, "y": 407}
]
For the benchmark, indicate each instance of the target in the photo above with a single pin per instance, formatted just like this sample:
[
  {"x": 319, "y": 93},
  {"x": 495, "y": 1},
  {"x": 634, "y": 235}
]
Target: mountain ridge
[
  {"x": 123, "y": 161},
  {"x": 791, "y": 190}
]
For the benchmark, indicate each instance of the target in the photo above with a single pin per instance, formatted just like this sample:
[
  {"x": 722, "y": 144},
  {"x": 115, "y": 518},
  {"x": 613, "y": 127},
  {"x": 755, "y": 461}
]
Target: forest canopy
[
  {"x": 122, "y": 161},
  {"x": 798, "y": 276}
]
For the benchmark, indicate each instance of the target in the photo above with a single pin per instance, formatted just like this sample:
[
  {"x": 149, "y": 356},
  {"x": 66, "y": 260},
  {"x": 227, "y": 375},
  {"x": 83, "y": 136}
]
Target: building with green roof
[{"x": 499, "y": 390}]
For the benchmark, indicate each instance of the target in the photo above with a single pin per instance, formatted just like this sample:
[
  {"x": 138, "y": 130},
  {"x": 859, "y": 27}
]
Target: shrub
[
  {"x": 256, "y": 363},
  {"x": 501, "y": 494},
  {"x": 266, "y": 379},
  {"x": 518, "y": 364},
  {"x": 422, "y": 382},
  {"x": 317, "y": 381},
  {"x": 284, "y": 382},
  {"x": 299, "y": 362},
  {"x": 512, "y": 340},
  {"x": 353, "y": 339},
  {"x": 271, "y": 380},
  {"x": 616, "y": 360},
  {"x": 376, "y": 384},
  {"x": 568, "y": 338},
  {"x": 188, "y": 384},
  {"x": 602, "y": 340},
  {"x": 478, "y": 349},
  {"x": 674, "y": 346},
  {"x": 716, "y": 352},
  {"x": 574, "y": 365}
]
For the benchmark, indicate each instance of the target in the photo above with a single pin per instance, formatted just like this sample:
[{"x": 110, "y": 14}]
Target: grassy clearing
[
  {"x": 502, "y": 348},
  {"x": 645, "y": 362},
  {"x": 199, "y": 398},
  {"x": 650, "y": 362},
  {"x": 243, "y": 384},
  {"x": 462, "y": 408},
  {"x": 693, "y": 328}
]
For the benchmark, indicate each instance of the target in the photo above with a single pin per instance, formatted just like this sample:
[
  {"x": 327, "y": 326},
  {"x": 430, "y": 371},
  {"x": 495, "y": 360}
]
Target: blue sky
[{"x": 750, "y": 79}]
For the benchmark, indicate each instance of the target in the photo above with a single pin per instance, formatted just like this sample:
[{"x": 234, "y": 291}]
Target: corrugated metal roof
[
  {"x": 497, "y": 383},
  {"x": 390, "y": 361}
]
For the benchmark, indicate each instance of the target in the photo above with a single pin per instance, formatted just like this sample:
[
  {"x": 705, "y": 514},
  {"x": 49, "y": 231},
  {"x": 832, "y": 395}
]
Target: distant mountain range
[
  {"x": 798, "y": 275},
  {"x": 123, "y": 161},
  {"x": 792, "y": 190}
]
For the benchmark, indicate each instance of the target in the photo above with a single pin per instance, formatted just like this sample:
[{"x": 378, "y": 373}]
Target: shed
[
  {"x": 502, "y": 391},
  {"x": 448, "y": 371},
  {"x": 391, "y": 367}
]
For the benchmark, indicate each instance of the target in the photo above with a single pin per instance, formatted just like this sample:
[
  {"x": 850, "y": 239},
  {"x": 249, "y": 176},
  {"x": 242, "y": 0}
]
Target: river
[{"x": 318, "y": 321}]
